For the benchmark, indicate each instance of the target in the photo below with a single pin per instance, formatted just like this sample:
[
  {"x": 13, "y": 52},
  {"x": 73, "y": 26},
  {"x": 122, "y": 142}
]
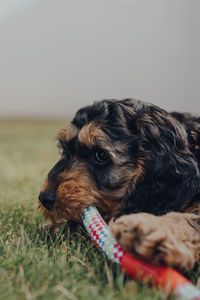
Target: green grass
[{"x": 34, "y": 264}]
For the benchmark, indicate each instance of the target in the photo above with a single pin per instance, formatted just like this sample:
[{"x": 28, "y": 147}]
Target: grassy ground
[{"x": 33, "y": 263}]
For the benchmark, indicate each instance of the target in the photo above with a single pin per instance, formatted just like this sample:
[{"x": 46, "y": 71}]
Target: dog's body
[{"x": 139, "y": 164}]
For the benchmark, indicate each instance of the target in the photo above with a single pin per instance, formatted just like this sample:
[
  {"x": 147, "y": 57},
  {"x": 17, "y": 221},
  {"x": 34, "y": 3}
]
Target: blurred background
[{"x": 58, "y": 55}]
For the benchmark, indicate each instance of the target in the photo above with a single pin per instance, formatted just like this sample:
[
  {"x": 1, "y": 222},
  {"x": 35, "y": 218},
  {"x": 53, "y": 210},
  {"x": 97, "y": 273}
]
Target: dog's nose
[{"x": 47, "y": 199}]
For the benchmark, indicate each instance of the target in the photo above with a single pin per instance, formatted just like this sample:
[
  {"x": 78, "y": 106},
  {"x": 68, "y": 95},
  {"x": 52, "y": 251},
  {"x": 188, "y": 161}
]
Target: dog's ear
[{"x": 171, "y": 175}]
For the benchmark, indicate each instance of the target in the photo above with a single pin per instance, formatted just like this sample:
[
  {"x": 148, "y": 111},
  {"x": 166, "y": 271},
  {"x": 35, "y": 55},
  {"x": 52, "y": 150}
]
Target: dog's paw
[{"x": 153, "y": 238}]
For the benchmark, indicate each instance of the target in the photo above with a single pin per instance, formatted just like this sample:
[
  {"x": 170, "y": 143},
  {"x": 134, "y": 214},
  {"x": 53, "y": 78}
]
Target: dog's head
[{"x": 121, "y": 156}]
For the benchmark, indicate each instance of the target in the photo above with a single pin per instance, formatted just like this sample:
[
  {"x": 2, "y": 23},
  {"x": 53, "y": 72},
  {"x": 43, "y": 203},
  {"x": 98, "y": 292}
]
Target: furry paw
[{"x": 160, "y": 240}]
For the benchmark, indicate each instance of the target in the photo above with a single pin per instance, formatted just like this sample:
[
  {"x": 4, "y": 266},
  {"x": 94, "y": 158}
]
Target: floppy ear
[{"x": 171, "y": 175}]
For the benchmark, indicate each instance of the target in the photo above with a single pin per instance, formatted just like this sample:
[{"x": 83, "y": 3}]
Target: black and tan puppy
[{"x": 139, "y": 164}]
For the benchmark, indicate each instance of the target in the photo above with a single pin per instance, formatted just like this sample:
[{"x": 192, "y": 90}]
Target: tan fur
[
  {"x": 89, "y": 133},
  {"x": 172, "y": 239},
  {"x": 194, "y": 135},
  {"x": 76, "y": 192},
  {"x": 76, "y": 188},
  {"x": 195, "y": 140},
  {"x": 66, "y": 133}
]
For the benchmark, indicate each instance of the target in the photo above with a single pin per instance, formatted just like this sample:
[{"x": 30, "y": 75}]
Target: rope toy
[{"x": 163, "y": 277}]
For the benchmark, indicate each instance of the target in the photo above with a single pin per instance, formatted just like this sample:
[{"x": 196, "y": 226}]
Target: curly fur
[{"x": 152, "y": 166}]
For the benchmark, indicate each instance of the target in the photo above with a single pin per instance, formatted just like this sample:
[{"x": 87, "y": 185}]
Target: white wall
[{"x": 58, "y": 55}]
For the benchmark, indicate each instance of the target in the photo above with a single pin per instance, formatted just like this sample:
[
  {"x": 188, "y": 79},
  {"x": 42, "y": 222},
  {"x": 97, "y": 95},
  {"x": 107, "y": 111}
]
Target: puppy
[{"x": 139, "y": 165}]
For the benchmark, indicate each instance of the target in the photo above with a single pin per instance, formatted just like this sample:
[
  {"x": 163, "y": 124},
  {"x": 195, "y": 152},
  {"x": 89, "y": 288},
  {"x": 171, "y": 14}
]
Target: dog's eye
[{"x": 101, "y": 156}]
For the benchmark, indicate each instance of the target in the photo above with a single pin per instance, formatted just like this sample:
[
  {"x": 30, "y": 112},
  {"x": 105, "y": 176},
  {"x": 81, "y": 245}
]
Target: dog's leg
[{"x": 172, "y": 239}]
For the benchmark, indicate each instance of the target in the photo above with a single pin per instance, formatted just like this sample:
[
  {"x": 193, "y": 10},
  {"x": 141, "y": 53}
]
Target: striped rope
[{"x": 164, "y": 277}]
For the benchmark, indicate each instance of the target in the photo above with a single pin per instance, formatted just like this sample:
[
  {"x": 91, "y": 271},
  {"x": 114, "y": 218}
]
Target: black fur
[
  {"x": 56, "y": 170},
  {"x": 164, "y": 143}
]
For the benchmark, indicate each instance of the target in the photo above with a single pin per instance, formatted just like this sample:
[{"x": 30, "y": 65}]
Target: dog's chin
[
  {"x": 51, "y": 215},
  {"x": 48, "y": 214},
  {"x": 48, "y": 205},
  {"x": 56, "y": 215}
]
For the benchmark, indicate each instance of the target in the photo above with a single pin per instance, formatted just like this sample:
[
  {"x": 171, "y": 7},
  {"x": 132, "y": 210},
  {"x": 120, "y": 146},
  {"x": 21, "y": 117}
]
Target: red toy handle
[{"x": 163, "y": 277}]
